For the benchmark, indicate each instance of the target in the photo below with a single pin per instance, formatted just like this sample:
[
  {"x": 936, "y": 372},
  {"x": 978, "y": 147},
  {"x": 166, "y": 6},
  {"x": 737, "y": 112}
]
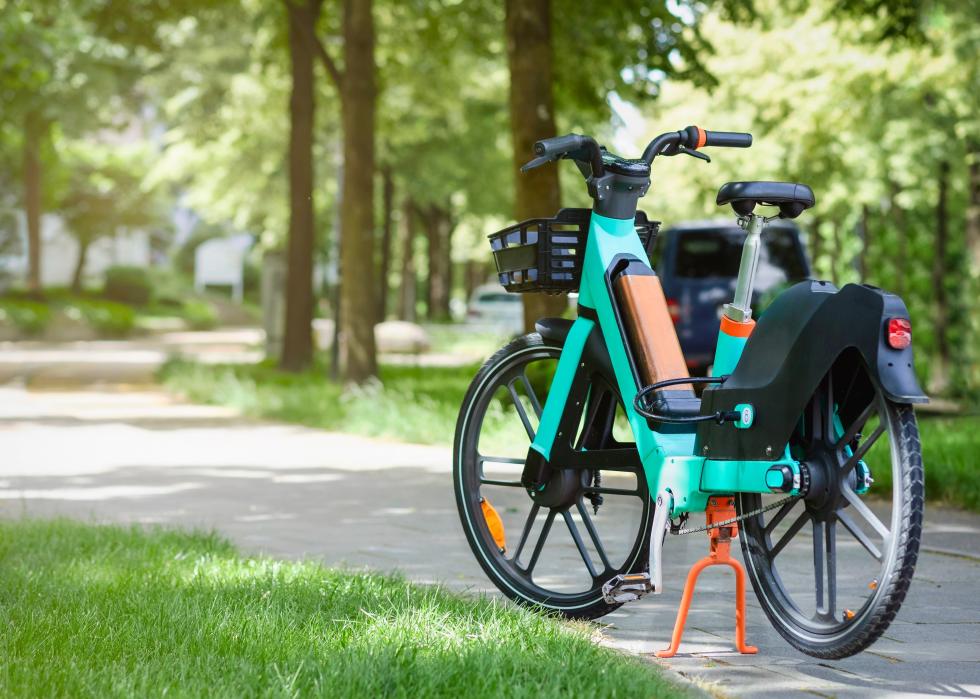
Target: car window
[{"x": 716, "y": 253}]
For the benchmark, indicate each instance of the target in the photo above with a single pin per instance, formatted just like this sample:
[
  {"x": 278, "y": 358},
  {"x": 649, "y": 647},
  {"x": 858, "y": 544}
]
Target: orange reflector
[
  {"x": 494, "y": 524},
  {"x": 873, "y": 585},
  {"x": 848, "y": 614}
]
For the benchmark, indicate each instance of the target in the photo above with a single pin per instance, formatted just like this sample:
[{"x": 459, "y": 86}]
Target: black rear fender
[{"x": 807, "y": 332}]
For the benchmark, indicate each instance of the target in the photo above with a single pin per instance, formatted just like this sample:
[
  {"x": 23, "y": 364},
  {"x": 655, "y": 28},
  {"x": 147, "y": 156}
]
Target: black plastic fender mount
[{"x": 807, "y": 330}]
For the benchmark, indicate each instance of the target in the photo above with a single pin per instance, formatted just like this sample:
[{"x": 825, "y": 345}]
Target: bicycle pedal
[{"x": 627, "y": 588}]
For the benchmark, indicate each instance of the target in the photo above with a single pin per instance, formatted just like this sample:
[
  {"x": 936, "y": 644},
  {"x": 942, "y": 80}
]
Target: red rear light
[
  {"x": 899, "y": 333},
  {"x": 674, "y": 309}
]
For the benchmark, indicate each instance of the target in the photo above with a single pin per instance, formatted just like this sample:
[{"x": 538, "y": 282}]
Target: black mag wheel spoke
[
  {"x": 778, "y": 517},
  {"x": 528, "y": 525},
  {"x": 498, "y": 460},
  {"x": 579, "y": 544},
  {"x": 829, "y": 409},
  {"x": 502, "y": 460},
  {"x": 830, "y": 539},
  {"x": 861, "y": 450},
  {"x": 856, "y": 531},
  {"x": 789, "y": 534},
  {"x": 611, "y": 491},
  {"x": 545, "y": 530},
  {"x": 855, "y": 427},
  {"x": 593, "y": 533},
  {"x": 532, "y": 396},
  {"x": 862, "y": 509},
  {"x": 506, "y": 484},
  {"x": 520, "y": 410},
  {"x": 818, "y": 565}
]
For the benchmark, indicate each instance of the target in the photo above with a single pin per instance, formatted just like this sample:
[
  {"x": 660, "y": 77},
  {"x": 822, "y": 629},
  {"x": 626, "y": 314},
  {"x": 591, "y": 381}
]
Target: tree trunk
[
  {"x": 406, "y": 299},
  {"x": 388, "y": 198},
  {"x": 900, "y": 258},
  {"x": 532, "y": 117},
  {"x": 472, "y": 277},
  {"x": 438, "y": 224},
  {"x": 297, "y": 348},
  {"x": 862, "y": 261},
  {"x": 815, "y": 246},
  {"x": 973, "y": 206},
  {"x": 358, "y": 307},
  {"x": 838, "y": 253},
  {"x": 33, "y": 136},
  {"x": 447, "y": 261},
  {"x": 76, "y": 277},
  {"x": 941, "y": 322}
]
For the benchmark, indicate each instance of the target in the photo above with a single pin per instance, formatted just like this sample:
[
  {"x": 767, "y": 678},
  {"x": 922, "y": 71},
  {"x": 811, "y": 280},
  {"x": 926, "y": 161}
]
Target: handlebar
[
  {"x": 574, "y": 146},
  {"x": 727, "y": 139},
  {"x": 692, "y": 138},
  {"x": 585, "y": 149}
]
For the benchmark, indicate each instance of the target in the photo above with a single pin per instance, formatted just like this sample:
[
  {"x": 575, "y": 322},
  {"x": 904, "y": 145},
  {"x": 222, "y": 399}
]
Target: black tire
[
  {"x": 834, "y": 631},
  {"x": 468, "y": 480}
]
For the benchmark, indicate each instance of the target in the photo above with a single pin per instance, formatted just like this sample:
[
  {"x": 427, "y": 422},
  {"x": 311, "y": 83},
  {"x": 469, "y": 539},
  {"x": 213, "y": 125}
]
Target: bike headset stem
[{"x": 615, "y": 190}]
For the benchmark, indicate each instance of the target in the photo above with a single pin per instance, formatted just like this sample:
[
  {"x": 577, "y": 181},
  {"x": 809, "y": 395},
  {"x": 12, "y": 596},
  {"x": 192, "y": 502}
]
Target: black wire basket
[{"x": 545, "y": 254}]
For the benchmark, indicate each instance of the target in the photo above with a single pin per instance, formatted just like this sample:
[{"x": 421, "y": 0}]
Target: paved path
[{"x": 296, "y": 492}]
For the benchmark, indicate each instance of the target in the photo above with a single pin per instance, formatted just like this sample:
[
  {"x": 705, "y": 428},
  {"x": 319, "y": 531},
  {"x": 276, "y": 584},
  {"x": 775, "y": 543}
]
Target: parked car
[
  {"x": 491, "y": 306},
  {"x": 698, "y": 265}
]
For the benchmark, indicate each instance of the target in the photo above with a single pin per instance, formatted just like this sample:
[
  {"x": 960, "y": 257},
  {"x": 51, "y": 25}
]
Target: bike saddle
[{"x": 791, "y": 198}]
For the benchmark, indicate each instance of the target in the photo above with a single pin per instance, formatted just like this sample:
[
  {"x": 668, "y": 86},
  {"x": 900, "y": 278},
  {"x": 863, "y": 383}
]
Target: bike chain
[{"x": 771, "y": 506}]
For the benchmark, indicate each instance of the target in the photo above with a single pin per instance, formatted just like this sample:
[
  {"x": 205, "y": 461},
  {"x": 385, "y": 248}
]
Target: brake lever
[
  {"x": 537, "y": 162},
  {"x": 694, "y": 153}
]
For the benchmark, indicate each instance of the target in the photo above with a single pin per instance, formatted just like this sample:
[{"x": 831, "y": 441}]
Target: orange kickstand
[{"x": 720, "y": 538}]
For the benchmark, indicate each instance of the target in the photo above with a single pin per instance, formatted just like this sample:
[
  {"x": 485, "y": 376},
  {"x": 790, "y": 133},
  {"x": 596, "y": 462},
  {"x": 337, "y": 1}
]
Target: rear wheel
[
  {"x": 556, "y": 549},
  {"x": 832, "y": 568}
]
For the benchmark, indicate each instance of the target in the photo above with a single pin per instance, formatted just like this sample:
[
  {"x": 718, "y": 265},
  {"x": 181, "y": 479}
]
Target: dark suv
[{"x": 698, "y": 263}]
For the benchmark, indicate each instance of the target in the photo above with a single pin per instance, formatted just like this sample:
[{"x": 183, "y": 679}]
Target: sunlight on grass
[{"x": 109, "y": 611}]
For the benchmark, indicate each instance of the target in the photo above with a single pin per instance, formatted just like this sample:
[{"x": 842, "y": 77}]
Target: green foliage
[
  {"x": 949, "y": 449},
  {"x": 127, "y": 285},
  {"x": 103, "y": 191},
  {"x": 111, "y": 611},
  {"x": 869, "y": 126},
  {"x": 200, "y": 315},
  {"x": 107, "y": 318},
  {"x": 29, "y": 317}
]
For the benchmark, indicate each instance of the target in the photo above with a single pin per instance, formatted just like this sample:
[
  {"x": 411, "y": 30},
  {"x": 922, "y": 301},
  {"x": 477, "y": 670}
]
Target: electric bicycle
[{"x": 581, "y": 447}]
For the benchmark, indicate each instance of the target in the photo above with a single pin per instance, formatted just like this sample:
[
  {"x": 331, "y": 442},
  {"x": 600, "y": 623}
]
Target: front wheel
[
  {"x": 832, "y": 568},
  {"x": 555, "y": 550}
]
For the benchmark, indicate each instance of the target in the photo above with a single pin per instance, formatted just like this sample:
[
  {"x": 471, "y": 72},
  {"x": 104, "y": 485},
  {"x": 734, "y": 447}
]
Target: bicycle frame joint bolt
[
  {"x": 768, "y": 451},
  {"x": 704, "y": 449}
]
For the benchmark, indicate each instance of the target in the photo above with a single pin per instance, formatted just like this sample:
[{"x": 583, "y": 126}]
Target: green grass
[
  {"x": 417, "y": 404},
  {"x": 951, "y": 456},
  {"x": 100, "y": 611}
]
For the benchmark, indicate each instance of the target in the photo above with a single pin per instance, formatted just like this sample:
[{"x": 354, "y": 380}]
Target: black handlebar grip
[
  {"x": 727, "y": 139},
  {"x": 558, "y": 145}
]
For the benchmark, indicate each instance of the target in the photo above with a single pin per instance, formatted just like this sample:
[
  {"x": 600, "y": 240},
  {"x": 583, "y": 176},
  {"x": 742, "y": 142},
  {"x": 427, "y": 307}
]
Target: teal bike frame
[{"x": 668, "y": 458}]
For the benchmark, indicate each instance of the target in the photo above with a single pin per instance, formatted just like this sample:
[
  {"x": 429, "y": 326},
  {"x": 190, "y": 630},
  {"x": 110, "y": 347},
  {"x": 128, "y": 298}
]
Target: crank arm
[{"x": 658, "y": 532}]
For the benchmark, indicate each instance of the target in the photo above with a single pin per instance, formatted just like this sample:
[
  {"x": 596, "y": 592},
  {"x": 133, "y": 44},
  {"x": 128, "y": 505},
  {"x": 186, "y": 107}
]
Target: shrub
[
  {"x": 30, "y": 317},
  {"x": 200, "y": 315},
  {"x": 130, "y": 285},
  {"x": 106, "y": 317}
]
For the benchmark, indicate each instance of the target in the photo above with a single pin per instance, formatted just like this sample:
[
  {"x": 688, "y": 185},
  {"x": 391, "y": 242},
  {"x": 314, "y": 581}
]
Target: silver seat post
[{"x": 740, "y": 309}]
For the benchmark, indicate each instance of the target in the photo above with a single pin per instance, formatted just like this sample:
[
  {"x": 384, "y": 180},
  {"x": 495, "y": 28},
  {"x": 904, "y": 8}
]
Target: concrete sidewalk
[{"x": 296, "y": 492}]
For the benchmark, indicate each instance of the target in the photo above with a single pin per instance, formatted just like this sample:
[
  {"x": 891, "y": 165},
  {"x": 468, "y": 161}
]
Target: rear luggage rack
[{"x": 545, "y": 254}]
